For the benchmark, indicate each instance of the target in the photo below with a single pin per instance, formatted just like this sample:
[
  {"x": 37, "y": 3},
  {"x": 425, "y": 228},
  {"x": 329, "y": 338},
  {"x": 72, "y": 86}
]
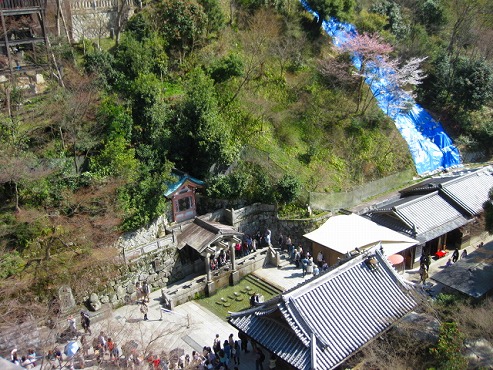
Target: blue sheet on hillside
[{"x": 431, "y": 148}]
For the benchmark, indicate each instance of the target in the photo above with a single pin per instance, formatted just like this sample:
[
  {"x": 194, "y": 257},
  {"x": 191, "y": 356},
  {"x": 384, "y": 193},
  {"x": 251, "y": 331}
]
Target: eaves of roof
[{"x": 470, "y": 191}]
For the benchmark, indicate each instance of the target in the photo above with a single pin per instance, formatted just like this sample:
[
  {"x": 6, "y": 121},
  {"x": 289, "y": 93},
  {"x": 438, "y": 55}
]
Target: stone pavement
[{"x": 432, "y": 287}]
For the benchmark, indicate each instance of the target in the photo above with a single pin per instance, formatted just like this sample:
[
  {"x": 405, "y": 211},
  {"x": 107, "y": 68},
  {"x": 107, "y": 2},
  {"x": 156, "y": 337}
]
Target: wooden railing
[{"x": 19, "y": 4}]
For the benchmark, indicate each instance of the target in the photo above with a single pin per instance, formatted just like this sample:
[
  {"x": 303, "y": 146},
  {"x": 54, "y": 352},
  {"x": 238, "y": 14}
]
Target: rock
[
  {"x": 120, "y": 292},
  {"x": 114, "y": 299},
  {"x": 130, "y": 288},
  {"x": 151, "y": 278},
  {"x": 40, "y": 79},
  {"x": 105, "y": 299},
  {"x": 94, "y": 302}
]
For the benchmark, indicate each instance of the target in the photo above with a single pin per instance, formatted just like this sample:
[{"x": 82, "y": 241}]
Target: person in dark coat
[{"x": 455, "y": 256}]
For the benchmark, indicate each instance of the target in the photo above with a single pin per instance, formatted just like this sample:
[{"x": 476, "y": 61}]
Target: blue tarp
[{"x": 431, "y": 148}]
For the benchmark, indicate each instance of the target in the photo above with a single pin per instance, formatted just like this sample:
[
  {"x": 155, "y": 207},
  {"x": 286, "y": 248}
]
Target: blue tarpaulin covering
[{"x": 431, "y": 148}]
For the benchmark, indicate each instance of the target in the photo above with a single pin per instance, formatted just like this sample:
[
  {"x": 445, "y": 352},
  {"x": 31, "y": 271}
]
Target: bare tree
[
  {"x": 17, "y": 168},
  {"x": 263, "y": 28}
]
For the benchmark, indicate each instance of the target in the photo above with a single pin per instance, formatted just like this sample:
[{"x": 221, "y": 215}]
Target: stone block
[
  {"x": 23, "y": 83},
  {"x": 151, "y": 278},
  {"x": 120, "y": 292},
  {"x": 104, "y": 299},
  {"x": 130, "y": 288},
  {"x": 94, "y": 302},
  {"x": 40, "y": 80},
  {"x": 67, "y": 301}
]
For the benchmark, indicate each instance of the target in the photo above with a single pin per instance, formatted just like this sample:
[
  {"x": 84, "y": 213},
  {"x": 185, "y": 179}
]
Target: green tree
[
  {"x": 149, "y": 110},
  {"x": 432, "y": 14},
  {"x": 201, "y": 137},
  {"x": 460, "y": 84},
  {"x": 183, "y": 24},
  {"x": 341, "y": 9},
  {"x": 11, "y": 263},
  {"x": 116, "y": 118},
  {"x": 102, "y": 64},
  {"x": 396, "y": 23},
  {"x": 116, "y": 159},
  {"x": 370, "y": 22},
  {"x": 144, "y": 200},
  {"x": 288, "y": 188},
  {"x": 226, "y": 68},
  {"x": 472, "y": 83},
  {"x": 215, "y": 16},
  {"x": 134, "y": 56},
  {"x": 140, "y": 26}
]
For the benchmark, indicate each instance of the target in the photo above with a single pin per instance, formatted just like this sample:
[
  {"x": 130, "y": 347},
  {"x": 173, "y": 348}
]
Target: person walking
[
  {"x": 423, "y": 273},
  {"x": 144, "y": 309},
  {"x": 259, "y": 359},
  {"x": 235, "y": 352},
  {"x": 243, "y": 341},
  {"x": 85, "y": 322},
  {"x": 455, "y": 256},
  {"x": 146, "y": 290},
  {"x": 216, "y": 346}
]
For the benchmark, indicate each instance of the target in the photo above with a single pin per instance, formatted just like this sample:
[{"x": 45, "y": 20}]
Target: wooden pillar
[
  {"x": 208, "y": 266},
  {"x": 231, "y": 246},
  {"x": 7, "y": 46}
]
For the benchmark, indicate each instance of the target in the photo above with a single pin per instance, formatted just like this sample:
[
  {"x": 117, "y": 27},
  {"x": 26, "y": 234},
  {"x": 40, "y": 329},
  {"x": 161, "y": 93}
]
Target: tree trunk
[{"x": 17, "y": 208}]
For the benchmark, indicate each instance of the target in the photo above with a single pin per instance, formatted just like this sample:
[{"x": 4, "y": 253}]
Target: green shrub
[
  {"x": 10, "y": 264},
  {"x": 447, "y": 353},
  {"x": 288, "y": 189}
]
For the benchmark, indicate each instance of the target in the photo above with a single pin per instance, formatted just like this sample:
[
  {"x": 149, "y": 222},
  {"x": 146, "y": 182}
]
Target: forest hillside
[{"x": 248, "y": 95}]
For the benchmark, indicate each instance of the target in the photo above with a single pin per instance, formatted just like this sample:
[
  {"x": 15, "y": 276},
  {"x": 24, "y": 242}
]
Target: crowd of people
[
  {"x": 301, "y": 258},
  {"x": 243, "y": 248},
  {"x": 104, "y": 352},
  {"x": 27, "y": 361}
]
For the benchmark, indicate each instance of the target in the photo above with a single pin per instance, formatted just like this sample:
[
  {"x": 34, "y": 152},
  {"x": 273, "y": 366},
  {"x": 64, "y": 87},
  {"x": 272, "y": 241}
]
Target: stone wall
[
  {"x": 144, "y": 235},
  {"x": 97, "y": 18},
  {"x": 152, "y": 257},
  {"x": 159, "y": 268}
]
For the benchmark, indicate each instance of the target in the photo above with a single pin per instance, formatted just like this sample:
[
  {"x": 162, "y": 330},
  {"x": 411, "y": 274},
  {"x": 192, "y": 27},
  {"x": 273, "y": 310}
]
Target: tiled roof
[
  {"x": 452, "y": 204},
  {"x": 200, "y": 234},
  {"x": 336, "y": 313},
  {"x": 424, "y": 217},
  {"x": 182, "y": 179},
  {"x": 470, "y": 191}
]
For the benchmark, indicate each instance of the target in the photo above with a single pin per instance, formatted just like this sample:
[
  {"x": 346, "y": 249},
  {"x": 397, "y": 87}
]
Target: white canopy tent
[{"x": 345, "y": 233}]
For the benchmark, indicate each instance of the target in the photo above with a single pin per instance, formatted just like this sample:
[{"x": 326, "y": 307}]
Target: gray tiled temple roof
[
  {"x": 319, "y": 324},
  {"x": 452, "y": 203},
  {"x": 470, "y": 191},
  {"x": 424, "y": 218}
]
